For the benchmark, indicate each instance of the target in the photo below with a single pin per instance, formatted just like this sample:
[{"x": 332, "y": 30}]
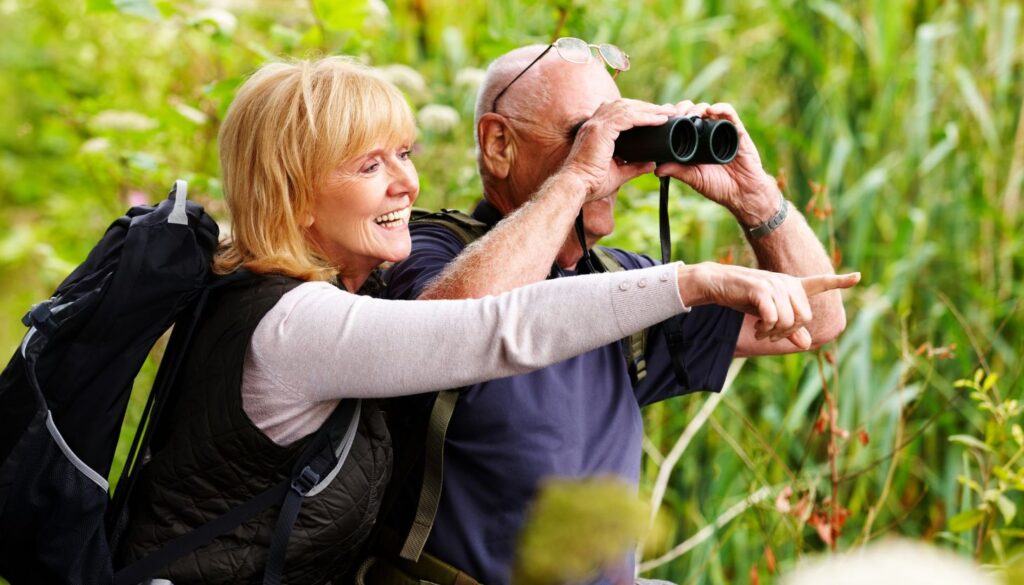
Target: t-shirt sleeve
[
  {"x": 708, "y": 335},
  {"x": 433, "y": 248}
]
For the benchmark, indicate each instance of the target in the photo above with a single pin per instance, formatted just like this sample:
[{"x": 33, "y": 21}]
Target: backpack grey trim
[
  {"x": 78, "y": 463},
  {"x": 177, "y": 214},
  {"x": 24, "y": 342},
  {"x": 341, "y": 451}
]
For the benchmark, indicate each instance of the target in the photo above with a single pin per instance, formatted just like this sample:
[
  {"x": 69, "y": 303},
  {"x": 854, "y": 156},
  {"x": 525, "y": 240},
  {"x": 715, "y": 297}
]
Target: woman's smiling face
[{"x": 360, "y": 215}]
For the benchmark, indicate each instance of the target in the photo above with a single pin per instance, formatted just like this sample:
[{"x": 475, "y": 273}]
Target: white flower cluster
[
  {"x": 220, "y": 19},
  {"x": 377, "y": 14},
  {"x": 438, "y": 118},
  {"x": 122, "y": 120},
  {"x": 891, "y": 562},
  {"x": 469, "y": 79},
  {"x": 406, "y": 78}
]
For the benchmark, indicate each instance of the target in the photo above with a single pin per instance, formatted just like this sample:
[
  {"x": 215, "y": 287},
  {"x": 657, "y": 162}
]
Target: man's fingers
[
  {"x": 685, "y": 173},
  {"x": 629, "y": 171},
  {"x": 815, "y": 285}
]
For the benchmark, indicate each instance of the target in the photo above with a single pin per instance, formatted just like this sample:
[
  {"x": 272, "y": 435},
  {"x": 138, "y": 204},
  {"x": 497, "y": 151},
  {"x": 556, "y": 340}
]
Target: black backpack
[{"x": 64, "y": 394}]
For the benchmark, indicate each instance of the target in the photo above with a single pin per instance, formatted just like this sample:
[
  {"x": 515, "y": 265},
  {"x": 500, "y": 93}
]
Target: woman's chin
[{"x": 395, "y": 254}]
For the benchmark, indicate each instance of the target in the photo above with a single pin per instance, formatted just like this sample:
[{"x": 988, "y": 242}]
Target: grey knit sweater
[{"x": 320, "y": 344}]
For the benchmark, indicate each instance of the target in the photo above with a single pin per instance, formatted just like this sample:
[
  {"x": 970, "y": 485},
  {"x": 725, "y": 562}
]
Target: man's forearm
[
  {"x": 794, "y": 249},
  {"x": 519, "y": 250}
]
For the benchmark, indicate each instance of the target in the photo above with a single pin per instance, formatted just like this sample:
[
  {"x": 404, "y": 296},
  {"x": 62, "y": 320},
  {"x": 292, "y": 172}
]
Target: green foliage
[
  {"x": 993, "y": 486},
  {"x": 895, "y": 126}
]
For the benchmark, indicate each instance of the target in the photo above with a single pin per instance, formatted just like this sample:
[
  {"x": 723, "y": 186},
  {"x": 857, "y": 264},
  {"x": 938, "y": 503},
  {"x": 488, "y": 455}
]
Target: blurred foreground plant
[{"x": 579, "y": 527}]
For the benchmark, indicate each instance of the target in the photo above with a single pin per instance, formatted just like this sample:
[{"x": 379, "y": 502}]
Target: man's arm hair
[
  {"x": 794, "y": 249},
  {"x": 517, "y": 251}
]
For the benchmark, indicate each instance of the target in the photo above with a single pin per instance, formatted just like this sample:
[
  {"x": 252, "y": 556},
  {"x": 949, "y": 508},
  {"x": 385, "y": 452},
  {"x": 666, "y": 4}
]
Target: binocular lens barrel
[{"x": 691, "y": 141}]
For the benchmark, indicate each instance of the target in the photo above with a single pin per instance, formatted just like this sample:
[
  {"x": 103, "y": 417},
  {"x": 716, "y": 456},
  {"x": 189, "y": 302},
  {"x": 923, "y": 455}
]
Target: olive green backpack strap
[
  {"x": 635, "y": 345},
  {"x": 433, "y": 475},
  {"x": 468, "y": 230},
  {"x": 464, "y": 226}
]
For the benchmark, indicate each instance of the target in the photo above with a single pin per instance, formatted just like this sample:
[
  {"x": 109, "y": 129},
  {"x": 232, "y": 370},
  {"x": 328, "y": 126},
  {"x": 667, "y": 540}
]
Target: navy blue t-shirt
[{"x": 580, "y": 417}]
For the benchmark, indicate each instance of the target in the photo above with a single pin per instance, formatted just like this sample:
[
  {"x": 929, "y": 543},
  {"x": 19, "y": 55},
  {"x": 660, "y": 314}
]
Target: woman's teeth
[{"x": 394, "y": 218}]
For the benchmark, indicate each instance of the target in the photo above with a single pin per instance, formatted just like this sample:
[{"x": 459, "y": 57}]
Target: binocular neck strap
[
  {"x": 666, "y": 239},
  {"x": 592, "y": 265}
]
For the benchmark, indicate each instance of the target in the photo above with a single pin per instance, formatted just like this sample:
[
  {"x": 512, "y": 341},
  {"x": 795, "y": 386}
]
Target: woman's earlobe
[{"x": 306, "y": 221}]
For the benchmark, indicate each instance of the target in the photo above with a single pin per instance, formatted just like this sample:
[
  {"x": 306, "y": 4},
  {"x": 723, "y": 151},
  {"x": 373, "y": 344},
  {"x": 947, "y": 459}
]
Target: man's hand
[
  {"x": 742, "y": 186},
  {"x": 590, "y": 159},
  {"x": 779, "y": 301}
]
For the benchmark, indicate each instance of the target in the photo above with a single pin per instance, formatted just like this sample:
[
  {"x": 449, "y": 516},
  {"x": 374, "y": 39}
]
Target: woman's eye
[
  {"x": 370, "y": 167},
  {"x": 405, "y": 154}
]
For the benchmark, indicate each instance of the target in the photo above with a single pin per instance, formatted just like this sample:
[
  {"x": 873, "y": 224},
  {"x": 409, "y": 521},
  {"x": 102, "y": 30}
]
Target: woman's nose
[{"x": 404, "y": 181}]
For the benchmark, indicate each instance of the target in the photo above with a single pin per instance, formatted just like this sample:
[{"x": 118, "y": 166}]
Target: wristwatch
[{"x": 763, "y": 229}]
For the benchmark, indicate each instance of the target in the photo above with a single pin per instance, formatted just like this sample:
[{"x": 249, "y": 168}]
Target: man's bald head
[
  {"x": 502, "y": 71},
  {"x": 527, "y": 138},
  {"x": 549, "y": 98}
]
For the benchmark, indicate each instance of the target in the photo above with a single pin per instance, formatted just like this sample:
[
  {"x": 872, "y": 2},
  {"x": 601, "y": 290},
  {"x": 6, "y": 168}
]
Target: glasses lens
[
  {"x": 573, "y": 50},
  {"x": 614, "y": 57}
]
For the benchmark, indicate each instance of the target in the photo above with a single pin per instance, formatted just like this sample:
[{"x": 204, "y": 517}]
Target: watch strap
[{"x": 770, "y": 225}]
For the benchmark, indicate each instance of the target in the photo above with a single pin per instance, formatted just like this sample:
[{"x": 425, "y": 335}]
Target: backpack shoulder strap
[
  {"x": 433, "y": 475},
  {"x": 467, "y": 228},
  {"x": 635, "y": 346},
  {"x": 318, "y": 464}
]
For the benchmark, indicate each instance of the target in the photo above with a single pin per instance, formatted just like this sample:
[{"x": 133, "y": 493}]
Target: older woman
[{"x": 318, "y": 179}]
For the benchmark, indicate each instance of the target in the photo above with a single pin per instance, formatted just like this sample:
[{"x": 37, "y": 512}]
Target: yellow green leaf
[{"x": 966, "y": 520}]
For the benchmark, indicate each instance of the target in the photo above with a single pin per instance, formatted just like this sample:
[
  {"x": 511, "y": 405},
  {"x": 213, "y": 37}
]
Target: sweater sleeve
[{"x": 320, "y": 343}]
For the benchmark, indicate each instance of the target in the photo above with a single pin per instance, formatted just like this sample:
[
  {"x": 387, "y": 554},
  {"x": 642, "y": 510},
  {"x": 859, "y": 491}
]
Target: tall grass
[{"x": 895, "y": 126}]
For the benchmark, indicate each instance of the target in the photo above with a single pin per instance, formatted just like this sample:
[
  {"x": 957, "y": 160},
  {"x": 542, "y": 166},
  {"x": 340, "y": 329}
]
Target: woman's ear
[
  {"x": 497, "y": 146},
  {"x": 306, "y": 220}
]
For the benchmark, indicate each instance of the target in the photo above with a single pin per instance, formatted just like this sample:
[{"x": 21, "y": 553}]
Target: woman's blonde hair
[{"x": 289, "y": 125}]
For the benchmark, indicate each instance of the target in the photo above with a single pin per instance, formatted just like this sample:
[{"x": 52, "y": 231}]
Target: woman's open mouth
[{"x": 394, "y": 219}]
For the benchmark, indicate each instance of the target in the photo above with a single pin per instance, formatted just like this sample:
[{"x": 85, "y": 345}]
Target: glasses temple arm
[{"x": 494, "y": 104}]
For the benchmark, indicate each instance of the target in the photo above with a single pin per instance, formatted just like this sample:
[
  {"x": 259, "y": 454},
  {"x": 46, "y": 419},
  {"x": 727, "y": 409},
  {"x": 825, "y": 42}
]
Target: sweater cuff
[{"x": 645, "y": 297}]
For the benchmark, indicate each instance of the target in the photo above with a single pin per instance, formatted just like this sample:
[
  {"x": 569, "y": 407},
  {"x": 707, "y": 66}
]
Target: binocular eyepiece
[{"x": 686, "y": 140}]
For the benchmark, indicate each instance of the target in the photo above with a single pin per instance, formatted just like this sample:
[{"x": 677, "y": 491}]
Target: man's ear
[{"x": 497, "y": 148}]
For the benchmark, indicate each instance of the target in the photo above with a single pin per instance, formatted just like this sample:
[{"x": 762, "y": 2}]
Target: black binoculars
[{"x": 687, "y": 140}]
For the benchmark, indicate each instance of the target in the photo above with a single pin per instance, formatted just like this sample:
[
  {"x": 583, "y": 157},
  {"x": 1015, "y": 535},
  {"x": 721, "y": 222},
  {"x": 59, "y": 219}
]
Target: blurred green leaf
[
  {"x": 1007, "y": 508},
  {"x": 342, "y": 15},
  {"x": 99, "y": 6},
  {"x": 969, "y": 441},
  {"x": 966, "y": 520}
]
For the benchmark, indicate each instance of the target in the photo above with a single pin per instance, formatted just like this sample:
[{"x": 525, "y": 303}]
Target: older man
[{"x": 546, "y": 124}]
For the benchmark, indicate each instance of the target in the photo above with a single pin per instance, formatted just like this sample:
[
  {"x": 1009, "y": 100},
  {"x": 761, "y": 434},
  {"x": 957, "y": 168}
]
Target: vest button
[
  {"x": 642, "y": 283},
  {"x": 623, "y": 286}
]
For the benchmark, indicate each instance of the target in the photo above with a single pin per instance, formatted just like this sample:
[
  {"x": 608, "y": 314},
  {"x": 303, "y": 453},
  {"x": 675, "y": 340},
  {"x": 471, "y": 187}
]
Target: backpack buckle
[
  {"x": 306, "y": 481},
  {"x": 40, "y": 317}
]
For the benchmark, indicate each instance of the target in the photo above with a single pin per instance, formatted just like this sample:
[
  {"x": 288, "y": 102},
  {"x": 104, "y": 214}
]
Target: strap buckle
[
  {"x": 40, "y": 316},
  {"x": 306, "y": 481}
]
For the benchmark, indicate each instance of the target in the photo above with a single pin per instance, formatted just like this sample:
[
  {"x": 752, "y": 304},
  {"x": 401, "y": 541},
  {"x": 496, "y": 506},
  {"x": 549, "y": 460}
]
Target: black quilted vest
[{"x": 212, "y": 458}]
